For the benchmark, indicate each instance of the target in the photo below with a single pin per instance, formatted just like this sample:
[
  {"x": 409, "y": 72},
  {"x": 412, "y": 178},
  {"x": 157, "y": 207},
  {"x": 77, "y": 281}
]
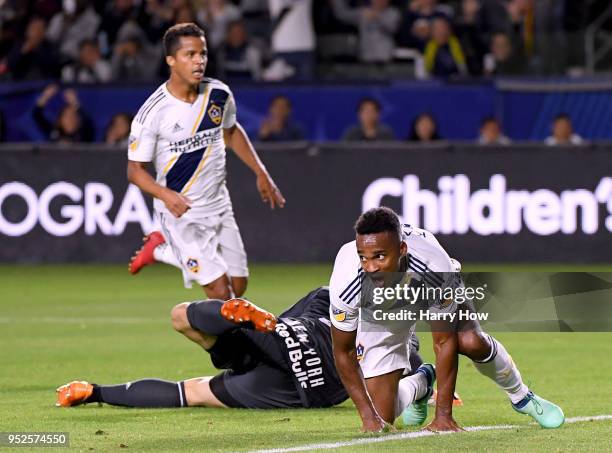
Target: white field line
[
  {"x": 412, "y": 435},
  {"x": 70, "y": 320}
]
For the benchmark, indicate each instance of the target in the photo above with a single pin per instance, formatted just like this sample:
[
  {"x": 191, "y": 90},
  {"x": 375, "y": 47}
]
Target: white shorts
[
  {"x": 382, "y": 351},
  {"x": 206, "y": 247}
]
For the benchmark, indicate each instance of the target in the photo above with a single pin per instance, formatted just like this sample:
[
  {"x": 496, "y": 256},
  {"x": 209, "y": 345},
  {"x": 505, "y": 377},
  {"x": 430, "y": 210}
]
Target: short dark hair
[
  {"x": 562, "y": 116},
  {"x": 88, "y": 42},
  {"x": 372, "y": 101},
  {"x": 172, "y": 37},
  {"x": 281, "y": 97},
  {"x": 489, "y": 119},
  {"x": 378, "y": 220}
]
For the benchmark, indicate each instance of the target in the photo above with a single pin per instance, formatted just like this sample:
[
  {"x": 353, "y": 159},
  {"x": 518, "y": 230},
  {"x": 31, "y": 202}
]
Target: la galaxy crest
[
  {"x": 360, "y": 350},
  {"x": 215, "y": 113},
  {"x": 193, "y": 265},
  {"x": 132, "y": 143}
]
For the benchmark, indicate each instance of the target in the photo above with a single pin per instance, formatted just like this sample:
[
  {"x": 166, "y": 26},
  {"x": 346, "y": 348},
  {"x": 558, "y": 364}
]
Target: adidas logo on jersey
[{"x": 177, "y": 128}]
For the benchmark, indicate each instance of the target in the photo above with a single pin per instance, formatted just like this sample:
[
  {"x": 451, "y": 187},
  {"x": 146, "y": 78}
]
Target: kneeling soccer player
[
  {"x": 270, "y": 363},
  {"x": 382, "y": 247}
]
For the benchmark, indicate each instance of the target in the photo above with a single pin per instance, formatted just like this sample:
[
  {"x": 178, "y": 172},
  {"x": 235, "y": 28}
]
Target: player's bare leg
[
  {"x": 220, "y": 288},
  {"x": 198, "y": 393},
  {"x": 181, "y": 324},
  {"x": 383, "y": 392},
  {"x": 473, "y": 342},
  {"x": 239, "y": 285}
]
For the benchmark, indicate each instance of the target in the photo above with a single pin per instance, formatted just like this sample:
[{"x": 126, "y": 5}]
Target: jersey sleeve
[
  {"x": 141, "y": 143},
  {"x": 229, "y": 116},
  {"x": 438, "y": 268},
  {"x": 345, "y": 289},
  {"x": 444, "y": 268}
]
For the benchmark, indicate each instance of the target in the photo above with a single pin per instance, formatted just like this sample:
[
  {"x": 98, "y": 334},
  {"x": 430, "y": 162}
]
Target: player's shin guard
[
  {"x": 500, "y": 367},
  {"x": 164, "y": 254},
  {"x": 143, "y": 393},
  {"x": 206, "y": 317}
]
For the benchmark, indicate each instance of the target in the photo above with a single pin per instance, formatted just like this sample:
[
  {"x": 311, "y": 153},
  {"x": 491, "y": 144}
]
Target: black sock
[
  {"x": 415, "y": 358},
  {"x": 415, "y": 361},
  {"x": 143, "y": 393},
  {"x": 206, "y": 317}
]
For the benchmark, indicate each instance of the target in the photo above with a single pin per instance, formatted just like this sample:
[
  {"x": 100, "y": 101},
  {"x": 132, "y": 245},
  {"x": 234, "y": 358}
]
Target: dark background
[{"x": 323, "y": 185}]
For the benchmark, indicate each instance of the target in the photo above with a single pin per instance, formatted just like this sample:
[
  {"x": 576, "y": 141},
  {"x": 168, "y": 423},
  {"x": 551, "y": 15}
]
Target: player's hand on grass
[
  {"x": 376, "y": 425},
  {"x": 176, "y": 203},
  {"x": 440, "y": 424},
  {"x": 269, "y": 192}
]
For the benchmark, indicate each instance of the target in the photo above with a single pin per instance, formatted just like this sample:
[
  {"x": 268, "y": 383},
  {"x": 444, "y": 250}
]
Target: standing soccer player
[
  {"x": 183, "y": 128},
  {"x": 372, "y": 359}
]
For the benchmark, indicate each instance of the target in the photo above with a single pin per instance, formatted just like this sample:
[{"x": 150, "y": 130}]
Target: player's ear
[
  {"x": 403, "y": 249},
  {"x": 170, "y": 60}
]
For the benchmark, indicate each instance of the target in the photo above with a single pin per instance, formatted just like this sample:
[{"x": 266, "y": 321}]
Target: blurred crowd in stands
[
  {"x": 98, "y": 41},
  {"x": 424, "y": 129},
  {"x": 73, "y": 125}
]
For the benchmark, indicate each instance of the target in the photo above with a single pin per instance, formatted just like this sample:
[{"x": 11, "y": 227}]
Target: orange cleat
[
  {"x": 144, "y": 256},
  {"x": 241, "y": 310},
  {"x": 73, "y": 393},
  {"x": 457, "y": 401}
]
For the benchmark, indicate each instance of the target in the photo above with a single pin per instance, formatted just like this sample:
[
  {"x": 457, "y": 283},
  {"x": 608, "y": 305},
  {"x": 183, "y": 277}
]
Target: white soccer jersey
[
  {"x": 425, "y": 255},
  {"x": 383, "y": 348},
  {"x": 185, "y": 142}
]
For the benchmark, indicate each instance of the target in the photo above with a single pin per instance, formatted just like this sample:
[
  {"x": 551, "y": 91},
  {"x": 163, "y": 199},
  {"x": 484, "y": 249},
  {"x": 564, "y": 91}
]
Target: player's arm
[
  {"x": 345, "y": 356},
  {"x": 444, "y": 333},
  {"x": 445, "y": 340},
  {"x": 141, "y": 149},
  {"x": 138, "y": 175},
  {"x": 237, "y": 139},
  {"x": 445, "y": 345}
]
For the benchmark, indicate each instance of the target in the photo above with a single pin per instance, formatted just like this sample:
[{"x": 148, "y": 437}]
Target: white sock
[
  {"x": 164, "y": 254},
  {"x": 411, "y": 388},
  {"x": 500, "y": 368}
]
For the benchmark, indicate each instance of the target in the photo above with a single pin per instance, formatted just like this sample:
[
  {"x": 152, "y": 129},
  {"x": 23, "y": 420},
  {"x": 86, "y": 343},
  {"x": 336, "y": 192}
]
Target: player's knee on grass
[
  {"x": 179, "y": 317},
  {"x": 198, "y": 393},
  {"x": 383, "y": 392},
  {"x": 474, "y": 344}
]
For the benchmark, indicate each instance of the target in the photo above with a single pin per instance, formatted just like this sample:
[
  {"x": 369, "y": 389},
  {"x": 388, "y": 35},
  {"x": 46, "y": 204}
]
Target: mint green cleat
[
  {"x": 416, "y": 413},
  {"x": 547, "y": 414}
]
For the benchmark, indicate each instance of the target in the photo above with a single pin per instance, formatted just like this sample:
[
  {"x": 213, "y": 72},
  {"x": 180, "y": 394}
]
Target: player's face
[
  {"x": 380, "y": 252},
  {"x": 562, "y": 129},
  {"x": 189, "y": 61}
]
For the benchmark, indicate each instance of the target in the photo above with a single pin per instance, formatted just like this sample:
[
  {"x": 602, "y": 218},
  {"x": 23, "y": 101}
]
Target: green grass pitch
[{"x": 59, "y": 323}]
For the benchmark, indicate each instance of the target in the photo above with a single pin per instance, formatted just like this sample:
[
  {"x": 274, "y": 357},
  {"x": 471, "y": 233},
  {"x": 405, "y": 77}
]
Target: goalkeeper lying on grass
[{"x": 269, "y": 362}]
